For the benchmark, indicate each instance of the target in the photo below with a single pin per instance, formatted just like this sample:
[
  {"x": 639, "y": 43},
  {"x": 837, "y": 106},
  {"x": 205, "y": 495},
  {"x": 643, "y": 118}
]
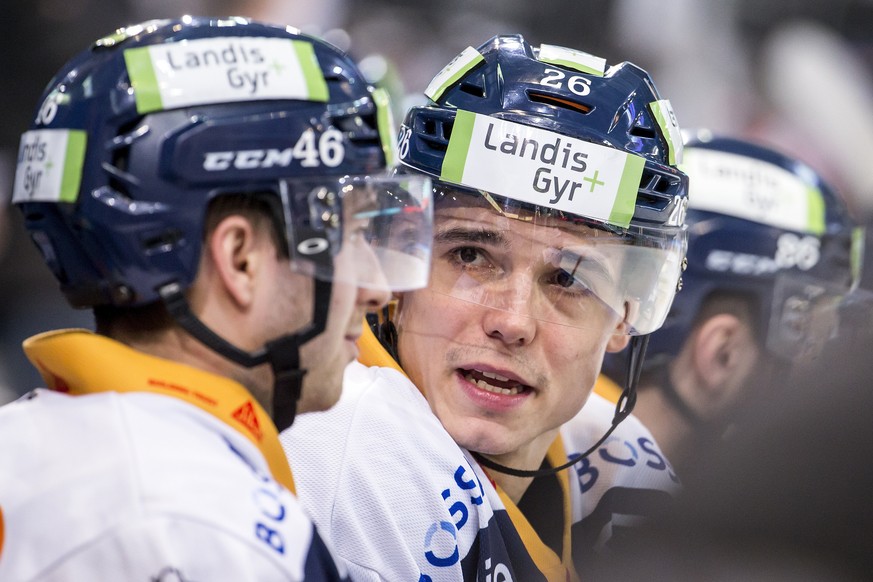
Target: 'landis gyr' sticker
[
  {"x": 753, "y": 190},
  {"x": 217, "y": 70},
  {"x": 49, "y": 165},
  {"x": 669, "y": 127},
  {"x": 542, "y": 167}
]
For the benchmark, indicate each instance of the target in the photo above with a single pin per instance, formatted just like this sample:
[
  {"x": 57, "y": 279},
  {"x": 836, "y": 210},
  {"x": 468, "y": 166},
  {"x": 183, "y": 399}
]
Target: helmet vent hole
[
  {"x": 471, "y": 89},
  {"x": 661, "y": 186},
  {"x": 349, "y": 124},
  {"x": 644, "y": 132},
  {"x": 359, "y": 128},
  {"x": 430, "y": 127},
  {"x": 447, "y": 130},
  {"x": 162, "y": 242},
  {"x": 553, "y": 101}
]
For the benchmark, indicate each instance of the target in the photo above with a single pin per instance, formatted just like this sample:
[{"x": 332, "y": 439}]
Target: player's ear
[
  {"x": 236, "y": 251},
  {"x": 722, "y": 350}
]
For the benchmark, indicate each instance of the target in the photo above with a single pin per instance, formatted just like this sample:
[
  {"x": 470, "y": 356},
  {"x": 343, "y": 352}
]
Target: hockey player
[
  {"x": 458, "y": 450},
  {"x": 212, "y": 189},
  {"x": 772, "y": 256}
]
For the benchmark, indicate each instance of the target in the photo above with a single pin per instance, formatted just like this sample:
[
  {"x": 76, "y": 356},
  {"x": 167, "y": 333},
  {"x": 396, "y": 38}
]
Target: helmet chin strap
[
  {"x": 283, "y": 353},
  {"x": 623, "y": 408}
]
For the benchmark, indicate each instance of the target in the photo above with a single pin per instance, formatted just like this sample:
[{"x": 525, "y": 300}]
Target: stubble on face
[{"x": 326, "y": 356}]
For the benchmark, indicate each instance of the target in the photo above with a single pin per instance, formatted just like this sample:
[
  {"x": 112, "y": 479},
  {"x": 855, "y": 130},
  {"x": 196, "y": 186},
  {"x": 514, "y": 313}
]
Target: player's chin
[
  {"x": 485, "y": 436},
  {"x": 323, "y": 386}
]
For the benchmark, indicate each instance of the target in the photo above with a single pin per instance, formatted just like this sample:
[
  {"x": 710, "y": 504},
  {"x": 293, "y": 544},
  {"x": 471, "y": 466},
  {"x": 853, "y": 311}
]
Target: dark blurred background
[{"x": 797, "y": 74}]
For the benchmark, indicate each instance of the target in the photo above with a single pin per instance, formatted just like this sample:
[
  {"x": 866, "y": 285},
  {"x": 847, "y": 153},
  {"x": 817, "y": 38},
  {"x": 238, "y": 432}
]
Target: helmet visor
[
  {"x": 552, "y": 266},
  {"x": 804, "y": 317},
  {"x": 385, "y": 224}
]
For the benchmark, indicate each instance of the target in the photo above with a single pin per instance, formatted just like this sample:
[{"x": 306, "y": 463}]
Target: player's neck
[
  {"x": 514, "y": 487},
  {"x": 529, "y": 457}
]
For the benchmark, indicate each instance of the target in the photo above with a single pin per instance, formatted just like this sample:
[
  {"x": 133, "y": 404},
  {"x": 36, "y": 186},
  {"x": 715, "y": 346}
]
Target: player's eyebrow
[{"x": 479, "y": 235}]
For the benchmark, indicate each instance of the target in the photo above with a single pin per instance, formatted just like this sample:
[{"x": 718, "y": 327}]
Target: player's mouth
[{"x": 493, "y": 382}]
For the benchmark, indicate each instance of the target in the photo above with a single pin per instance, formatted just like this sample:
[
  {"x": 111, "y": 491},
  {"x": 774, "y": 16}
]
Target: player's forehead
[{"x": 513, "y": 223}]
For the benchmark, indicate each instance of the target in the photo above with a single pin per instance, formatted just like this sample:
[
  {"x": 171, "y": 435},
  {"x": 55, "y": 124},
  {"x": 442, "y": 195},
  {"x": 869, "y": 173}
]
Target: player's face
[
  {"x": 326, "y": 356},
  {"x": 502, "y": 380}
]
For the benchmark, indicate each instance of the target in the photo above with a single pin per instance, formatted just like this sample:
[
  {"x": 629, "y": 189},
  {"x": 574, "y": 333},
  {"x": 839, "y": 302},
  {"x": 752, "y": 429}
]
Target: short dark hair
[{"x": 743, "y": 306}]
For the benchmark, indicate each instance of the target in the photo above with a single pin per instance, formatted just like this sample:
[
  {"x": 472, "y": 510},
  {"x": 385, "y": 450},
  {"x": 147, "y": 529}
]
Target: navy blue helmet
[
  {"x": 764, "y": 227},
  {"x": 135, "y": 136},
  {"x": 549, "y": 133}
]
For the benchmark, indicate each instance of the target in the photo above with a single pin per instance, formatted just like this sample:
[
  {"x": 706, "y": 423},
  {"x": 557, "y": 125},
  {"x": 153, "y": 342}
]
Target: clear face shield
[
  {"x": 805, "y": 316},
  {"x": 551, "y": 266},
  {"x": 807, "y": 312},
  {"x": 372, "y": 232}
]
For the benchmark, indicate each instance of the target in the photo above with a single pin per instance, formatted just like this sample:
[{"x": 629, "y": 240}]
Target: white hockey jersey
[
  {"x": 399, "y": 500},
  {"x": 146, "y": 470}
]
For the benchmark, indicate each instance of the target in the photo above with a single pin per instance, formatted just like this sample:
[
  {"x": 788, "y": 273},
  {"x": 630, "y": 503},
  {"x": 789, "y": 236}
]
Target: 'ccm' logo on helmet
[{"x": 328, "y": 150}]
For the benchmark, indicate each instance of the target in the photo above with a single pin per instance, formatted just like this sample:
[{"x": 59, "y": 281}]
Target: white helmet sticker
[
  {"x": 218, "y": 70},
  {"x": 541, "y": 167},
  {"x": 456, "y": 69},
  {"x": 669, "y": 127},
  {"x": 573, "y": 59},
  {"x": 49, "y": 166},
  {"x": 385, "y": 122},
  {"x": 753, "y": 190}
]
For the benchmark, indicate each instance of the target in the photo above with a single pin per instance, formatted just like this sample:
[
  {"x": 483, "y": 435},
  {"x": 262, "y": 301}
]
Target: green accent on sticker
[
  {"x": 575, "y": 65},
  {"x": 664, "y": 125},
  {"x": 626, "y": 196},
  {"x": 474, "y": 62},
  {"x": 815, "y": 209},
  {"x": 143, "y": 80},
  {"x": 856, "y": 256},
  {"x": 385, "y": 123},
  {"x": 316, "y": 86},
  {"x": 455, "y": 159},
  {"x": 74, "y": 160}
]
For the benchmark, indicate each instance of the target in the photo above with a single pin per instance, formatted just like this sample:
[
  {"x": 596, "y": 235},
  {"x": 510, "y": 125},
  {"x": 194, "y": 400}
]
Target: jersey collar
[
  {"x": 81, "y": 362},
  {"x": 553, "y": 566},
  {"x": 371, "y": 352}
]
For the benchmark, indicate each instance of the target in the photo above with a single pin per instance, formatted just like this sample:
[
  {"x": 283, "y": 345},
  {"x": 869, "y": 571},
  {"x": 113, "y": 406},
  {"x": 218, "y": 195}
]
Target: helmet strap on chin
[
  {"x": 623, "y": 409},
  {"x": 636, "y": 356},
  {"x": 283, "y": 354}
]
